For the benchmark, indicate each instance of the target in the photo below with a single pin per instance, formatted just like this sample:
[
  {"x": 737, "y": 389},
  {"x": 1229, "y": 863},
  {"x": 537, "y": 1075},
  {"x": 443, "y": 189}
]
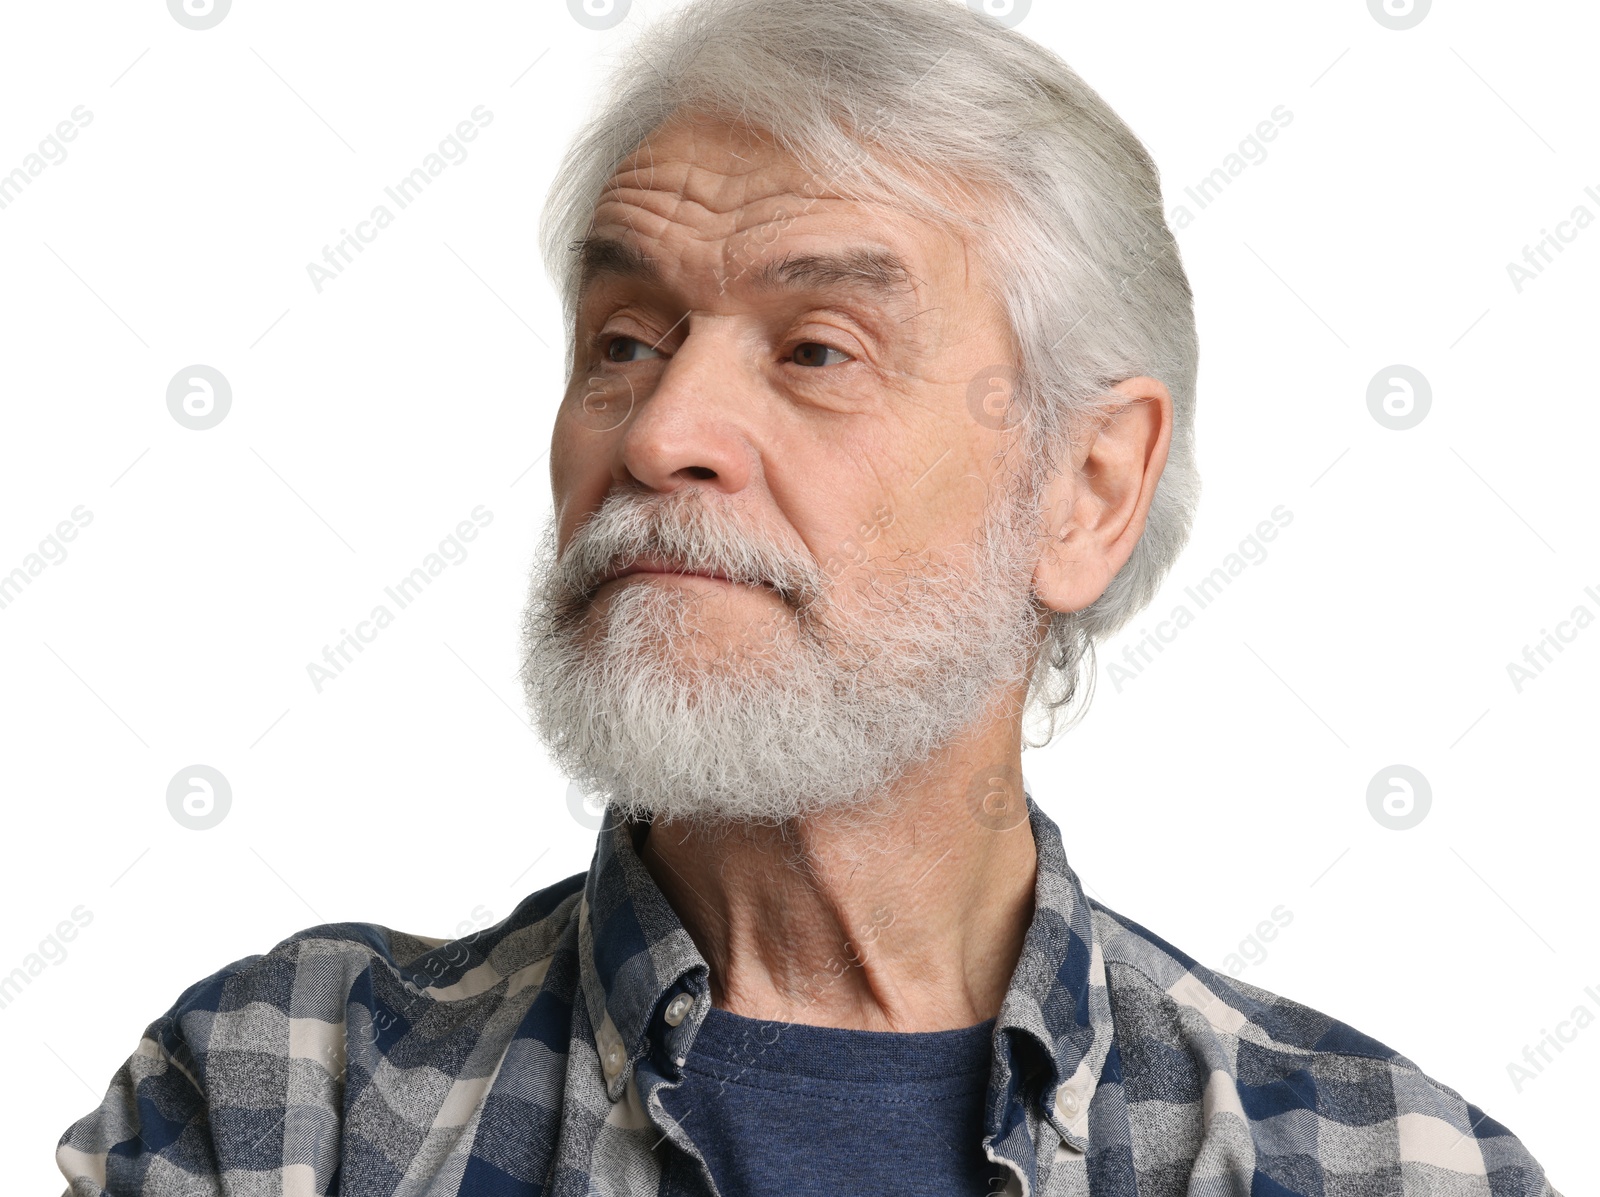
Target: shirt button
[
  {"x": 612, "y": 1060},
  {"x": 1067, "y": 1103},
  {"x": 677, "y": 1008}
]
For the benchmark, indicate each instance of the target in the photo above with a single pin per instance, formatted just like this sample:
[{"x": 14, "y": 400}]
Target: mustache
[{"x": 687, "y": 533}]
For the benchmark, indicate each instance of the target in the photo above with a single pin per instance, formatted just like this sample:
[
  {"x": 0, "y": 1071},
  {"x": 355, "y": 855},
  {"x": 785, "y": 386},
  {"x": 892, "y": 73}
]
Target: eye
[
  {"x": 814, "y": 353},
  {"x": 627, "y": 349}
]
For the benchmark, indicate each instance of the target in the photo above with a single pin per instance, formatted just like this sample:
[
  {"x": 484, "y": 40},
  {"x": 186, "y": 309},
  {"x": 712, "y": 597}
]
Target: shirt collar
[
  {"x": 1052, "y": 1037},
  {"x": 632, "y": 951},
  {"x": 1054, "y": 1033}
]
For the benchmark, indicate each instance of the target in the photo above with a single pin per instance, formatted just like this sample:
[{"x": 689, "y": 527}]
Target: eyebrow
[
  {"x": 606, "y": 257},
  {"x": 876, "y": 271},
  {"x": 872, "y": 270}
]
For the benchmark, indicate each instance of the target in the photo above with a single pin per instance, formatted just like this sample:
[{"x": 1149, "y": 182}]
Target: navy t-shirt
[{"x": 800, "y": 1110}]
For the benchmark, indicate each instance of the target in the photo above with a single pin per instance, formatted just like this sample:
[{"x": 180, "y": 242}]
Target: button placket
[
  {"x": 1072, "y": 1108},
  {"x": 677, "y": 1009},
  {"x": 611, "y": 1060}
]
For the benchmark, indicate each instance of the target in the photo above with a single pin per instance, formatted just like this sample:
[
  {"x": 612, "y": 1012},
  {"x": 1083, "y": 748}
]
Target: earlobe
[
  {"x": 1064, "y": 571},
  {"x": 1071, "y": 572}
]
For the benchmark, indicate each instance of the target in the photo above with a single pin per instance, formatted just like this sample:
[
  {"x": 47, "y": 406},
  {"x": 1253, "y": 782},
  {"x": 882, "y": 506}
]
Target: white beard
[{"x": 665, "y": 713}]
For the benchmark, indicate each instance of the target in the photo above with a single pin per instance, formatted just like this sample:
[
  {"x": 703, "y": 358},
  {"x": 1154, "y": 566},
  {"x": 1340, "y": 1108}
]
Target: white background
[{"x": 1228, "y": 778}]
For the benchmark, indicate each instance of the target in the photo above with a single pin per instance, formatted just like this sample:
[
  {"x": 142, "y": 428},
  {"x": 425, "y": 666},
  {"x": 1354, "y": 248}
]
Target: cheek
[
  {"x": 829, "y": 491},
  {"x": 874, "y": 500},
  {"x": 940, "y": 506},
  {"x": 598, "y": 402},
  {"x": 579, "y": 473},
  {"x": 565, "y": 457}
]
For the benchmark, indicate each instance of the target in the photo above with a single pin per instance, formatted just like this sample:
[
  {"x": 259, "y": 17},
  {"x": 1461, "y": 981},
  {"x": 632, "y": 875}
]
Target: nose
[{"x": 695, "y": 425}]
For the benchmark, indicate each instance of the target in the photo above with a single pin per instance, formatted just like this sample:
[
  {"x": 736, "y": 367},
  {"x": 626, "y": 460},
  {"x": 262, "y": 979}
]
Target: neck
[{"x": 908, "y": 916}]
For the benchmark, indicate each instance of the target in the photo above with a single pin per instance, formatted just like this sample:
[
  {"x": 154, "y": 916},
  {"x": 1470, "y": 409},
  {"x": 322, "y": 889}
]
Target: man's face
[{"x": 775, "y": 384}]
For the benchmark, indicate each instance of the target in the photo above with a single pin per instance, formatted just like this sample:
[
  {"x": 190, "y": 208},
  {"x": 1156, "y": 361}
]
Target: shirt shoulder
[
  {"x": 322, "y": 972},
  {"x": 1225, "y": 1080},
  {"x": 279, "y": 1057}
]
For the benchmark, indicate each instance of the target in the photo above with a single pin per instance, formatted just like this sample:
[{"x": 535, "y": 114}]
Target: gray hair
[{"x": 909, "y": 98}]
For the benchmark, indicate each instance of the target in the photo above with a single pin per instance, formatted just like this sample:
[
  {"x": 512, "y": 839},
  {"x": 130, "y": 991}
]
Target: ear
[{"x": 1096, "y": 505}]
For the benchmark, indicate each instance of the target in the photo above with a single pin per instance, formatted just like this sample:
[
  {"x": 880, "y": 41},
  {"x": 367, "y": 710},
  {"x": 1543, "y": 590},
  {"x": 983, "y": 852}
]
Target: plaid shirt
[{"x": 530, "y": 1058}]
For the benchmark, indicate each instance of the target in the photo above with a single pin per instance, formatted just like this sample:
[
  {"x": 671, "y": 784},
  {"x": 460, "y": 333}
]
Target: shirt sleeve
[{"x": 150, "y": 1136}]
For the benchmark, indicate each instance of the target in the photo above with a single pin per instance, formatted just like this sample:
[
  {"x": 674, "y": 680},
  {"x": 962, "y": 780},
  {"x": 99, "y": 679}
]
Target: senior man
[{"x": 880, "y": 413}]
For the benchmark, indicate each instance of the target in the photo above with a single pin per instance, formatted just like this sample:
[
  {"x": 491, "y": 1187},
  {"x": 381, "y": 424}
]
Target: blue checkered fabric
[{"x": 530, "y": 1058}]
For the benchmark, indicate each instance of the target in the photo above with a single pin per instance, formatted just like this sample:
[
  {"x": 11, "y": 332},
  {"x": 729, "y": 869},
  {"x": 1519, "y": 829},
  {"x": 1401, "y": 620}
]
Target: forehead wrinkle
[
  {"x": 703, "y": 213},
  {"x": 661, "y": 197},
  {"x": 719, "y": 188},
  {"x": 708, "y": 174}
]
